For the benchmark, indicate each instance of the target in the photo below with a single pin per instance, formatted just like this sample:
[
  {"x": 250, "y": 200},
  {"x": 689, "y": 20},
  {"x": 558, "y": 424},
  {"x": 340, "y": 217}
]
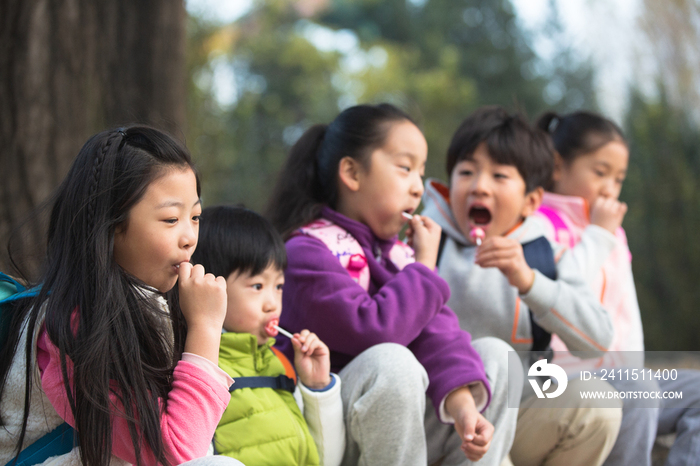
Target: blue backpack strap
[
  {"x": 540, "y": 256},
  {"x": 281, "y": 382},
  {"x": 11, "y": 291},
  {"x": 16, "y": 286},
  {"x": 59, "y": 441},
  {"x": 441, "y": 246}
]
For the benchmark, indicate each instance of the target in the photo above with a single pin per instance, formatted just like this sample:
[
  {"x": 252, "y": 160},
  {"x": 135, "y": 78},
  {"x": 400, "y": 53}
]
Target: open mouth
[{"x": 479, "y": 215}]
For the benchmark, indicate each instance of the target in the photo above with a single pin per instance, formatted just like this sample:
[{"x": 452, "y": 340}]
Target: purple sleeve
[
  {"x": 320, "y": 295},
  {"x": 409, "y": 309},
  {"x": 445, "y": 350}
]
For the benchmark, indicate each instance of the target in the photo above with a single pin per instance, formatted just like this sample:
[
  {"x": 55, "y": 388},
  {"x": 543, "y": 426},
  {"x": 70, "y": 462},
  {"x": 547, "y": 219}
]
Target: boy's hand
[
  {"x": 203, "y": 304},
  {"x": 507, "y": 255},
  {"x": 423, "y": 235},
  {"x": 475, "y": 431},
  {"x": 608, "y": 213},
  {"x": 312, "y": 360}
]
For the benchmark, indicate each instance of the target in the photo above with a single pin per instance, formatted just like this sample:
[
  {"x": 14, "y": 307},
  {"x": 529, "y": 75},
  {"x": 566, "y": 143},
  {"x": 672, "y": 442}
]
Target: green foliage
[
  {"x": 663, "y": 220},
  {"x": 284, "y": 85},
  {"x": 439, "y": 60}
]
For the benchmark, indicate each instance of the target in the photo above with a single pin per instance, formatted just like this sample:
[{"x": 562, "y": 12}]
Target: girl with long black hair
[{"x": 110, "y": 344}]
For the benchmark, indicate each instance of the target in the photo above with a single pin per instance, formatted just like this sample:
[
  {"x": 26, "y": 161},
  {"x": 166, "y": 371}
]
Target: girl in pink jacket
[
  {"x": 121, "y": 344},
  {"x": 582, "y": 212}
]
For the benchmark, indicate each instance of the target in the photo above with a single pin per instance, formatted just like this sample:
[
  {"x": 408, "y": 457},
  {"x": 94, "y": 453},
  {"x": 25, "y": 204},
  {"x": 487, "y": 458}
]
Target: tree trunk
[{"x": 68, "y": 69}]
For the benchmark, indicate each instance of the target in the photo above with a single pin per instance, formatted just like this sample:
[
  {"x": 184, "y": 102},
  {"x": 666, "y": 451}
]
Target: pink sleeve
[
  {"x": 622, "y": 237},
  {"x": 195, "y": 404}
]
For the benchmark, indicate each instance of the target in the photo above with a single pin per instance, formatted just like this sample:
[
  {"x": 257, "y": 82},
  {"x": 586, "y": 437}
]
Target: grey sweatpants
[
  {"x": 640, "y": 425},
  {"x": 390, "y": 421}
]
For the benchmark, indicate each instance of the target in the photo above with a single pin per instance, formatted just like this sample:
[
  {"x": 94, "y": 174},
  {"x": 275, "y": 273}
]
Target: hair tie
[
  {"x": 122, "y": 132},
  {"x": 553, "y": 124}
]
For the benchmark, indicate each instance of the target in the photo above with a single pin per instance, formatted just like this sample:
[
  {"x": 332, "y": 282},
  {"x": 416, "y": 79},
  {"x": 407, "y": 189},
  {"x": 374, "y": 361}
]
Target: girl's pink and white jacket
[{"x": 605, "y": 262}]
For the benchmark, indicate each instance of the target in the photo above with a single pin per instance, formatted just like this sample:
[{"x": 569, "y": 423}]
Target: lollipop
[
  {"x": 284, "y": 332},
  {"x": 408, "y": 216},
  {"x": 477, "y": 234},
  {"x": 271, "y": 327}
]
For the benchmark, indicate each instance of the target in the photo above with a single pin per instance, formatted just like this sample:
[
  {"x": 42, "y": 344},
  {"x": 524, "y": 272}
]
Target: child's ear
[
  {"x": 349, "y": 173},
  {"x": 533, "y": 200}
]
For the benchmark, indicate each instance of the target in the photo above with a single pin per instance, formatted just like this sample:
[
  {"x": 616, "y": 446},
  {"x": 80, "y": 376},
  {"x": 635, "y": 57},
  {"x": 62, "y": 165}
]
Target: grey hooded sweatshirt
[{"x": 487, "y": 305}]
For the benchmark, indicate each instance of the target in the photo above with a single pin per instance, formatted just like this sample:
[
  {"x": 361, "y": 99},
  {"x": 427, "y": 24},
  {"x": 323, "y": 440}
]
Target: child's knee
[
  {"x": 388, "y": 372},
  {"x": 495, "y": 354}
]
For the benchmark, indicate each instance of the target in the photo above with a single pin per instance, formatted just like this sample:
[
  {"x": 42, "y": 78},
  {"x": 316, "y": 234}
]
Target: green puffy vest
[{"x": 261, "y": 426}]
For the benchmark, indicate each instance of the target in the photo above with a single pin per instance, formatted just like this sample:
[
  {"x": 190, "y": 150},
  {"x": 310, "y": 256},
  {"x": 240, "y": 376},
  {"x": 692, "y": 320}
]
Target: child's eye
[
  {"x": 171, "y": 221},
  {"x": 405, "y": 168},
  {"x": 280, "y": 286},
  {"x": 197, "y": 218},
  {"x": 501, "y": 176},
  {"x": 257, "y": 286},
  {"x": 599, "y": 173},
  {"x": 620, "y": 180},
  {"x": 465, "y": 173}
]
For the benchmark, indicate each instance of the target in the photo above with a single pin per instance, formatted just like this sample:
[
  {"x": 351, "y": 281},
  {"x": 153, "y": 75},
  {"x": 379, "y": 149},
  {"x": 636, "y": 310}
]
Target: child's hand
[
  {"x": 475, "y": 431},
  {"x": 312, "y": 360},
  {"x": 507, "y": 255},
  {"x": 608, "y": 213},
  {"x": 203, "y": 304},
  {"x": 423, "y": 235},
  {"x": 202, "y": 296}
]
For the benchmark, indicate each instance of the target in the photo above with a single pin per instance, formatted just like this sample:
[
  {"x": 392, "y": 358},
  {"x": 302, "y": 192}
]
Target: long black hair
[
  {"x": 309, "y": 178},
  {"x": 116, "y": 335},
  {"x": 579, "y": 133},
  {"x": 235, "y": 239}
]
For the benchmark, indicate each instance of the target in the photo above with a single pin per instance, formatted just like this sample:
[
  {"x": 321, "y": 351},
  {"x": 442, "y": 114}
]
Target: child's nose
[
  {"x": 270, "y": 304},
  {"x": 188, "y": 238},
  {"x": 417, "y": 186},
  {"x": 480, "y": 184},
  {"x": 609, "y": 189}
]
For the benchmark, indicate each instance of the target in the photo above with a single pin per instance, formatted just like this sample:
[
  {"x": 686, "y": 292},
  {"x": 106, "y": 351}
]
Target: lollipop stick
[
  {"x": 407, "y": 216},
  {"x": 283, "y": 332}
]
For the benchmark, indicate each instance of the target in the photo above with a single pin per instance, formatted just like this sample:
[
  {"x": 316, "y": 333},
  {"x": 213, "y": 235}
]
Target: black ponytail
[
  {"x": 298, "y": 192},
  {"x": 309, "y": 179}
]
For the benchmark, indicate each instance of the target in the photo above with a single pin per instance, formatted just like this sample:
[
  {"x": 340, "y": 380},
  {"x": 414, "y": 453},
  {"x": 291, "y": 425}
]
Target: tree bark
[{"x": 68, "y": 69}]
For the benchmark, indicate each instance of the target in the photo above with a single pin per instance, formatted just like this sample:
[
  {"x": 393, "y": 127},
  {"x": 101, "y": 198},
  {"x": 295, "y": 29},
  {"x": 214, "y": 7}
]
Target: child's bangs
[
  {"x": 263, "y": 253},
  {"x": 504, "y": 146}
]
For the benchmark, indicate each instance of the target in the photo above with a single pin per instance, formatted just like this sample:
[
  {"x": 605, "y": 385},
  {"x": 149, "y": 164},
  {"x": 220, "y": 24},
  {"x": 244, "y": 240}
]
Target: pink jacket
[
  {"x": 197, "y": 399},
  {"x": 604, "y": 260}
]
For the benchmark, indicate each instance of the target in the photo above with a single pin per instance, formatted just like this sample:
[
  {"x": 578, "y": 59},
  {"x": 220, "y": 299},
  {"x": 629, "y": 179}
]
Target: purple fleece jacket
[{"x": 405, "y": 307}]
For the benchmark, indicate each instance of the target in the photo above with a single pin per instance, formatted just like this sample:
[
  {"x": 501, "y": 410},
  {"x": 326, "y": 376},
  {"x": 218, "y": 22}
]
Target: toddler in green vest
[{"x": 263, "y": 423}]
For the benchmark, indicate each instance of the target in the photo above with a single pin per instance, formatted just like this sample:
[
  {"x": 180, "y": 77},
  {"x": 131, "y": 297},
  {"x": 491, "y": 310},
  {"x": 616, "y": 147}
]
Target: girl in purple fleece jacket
[{"x": 341, "y": 201}]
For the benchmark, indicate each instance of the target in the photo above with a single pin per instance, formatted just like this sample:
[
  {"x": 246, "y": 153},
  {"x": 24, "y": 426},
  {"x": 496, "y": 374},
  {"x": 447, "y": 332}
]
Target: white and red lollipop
[{"x": 476, "y": 235}]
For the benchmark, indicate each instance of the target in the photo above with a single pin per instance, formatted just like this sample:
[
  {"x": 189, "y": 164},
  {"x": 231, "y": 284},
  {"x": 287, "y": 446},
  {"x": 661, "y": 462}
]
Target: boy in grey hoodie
[{"x": 497, "y": 165}]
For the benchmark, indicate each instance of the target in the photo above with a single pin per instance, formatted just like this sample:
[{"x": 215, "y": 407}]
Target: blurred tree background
[
  {"x": 67, "y": 70},
  {"x": 243, "y": 91},
  {"x": 295, "y": 63}
]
